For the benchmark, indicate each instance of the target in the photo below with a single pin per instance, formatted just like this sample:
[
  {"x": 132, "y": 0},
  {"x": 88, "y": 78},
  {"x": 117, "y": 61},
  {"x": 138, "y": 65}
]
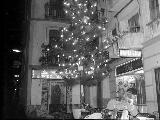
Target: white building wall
[
  {"x": 151, "y": 59},
  {"x": 38, "y": 35},
  {"x": 38, "y": 10},
  {"x": 151, "y": 55}
]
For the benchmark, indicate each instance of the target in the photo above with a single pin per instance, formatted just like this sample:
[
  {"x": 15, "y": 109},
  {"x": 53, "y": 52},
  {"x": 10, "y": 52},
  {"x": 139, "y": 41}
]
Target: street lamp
[{"x": 16, "y": 50}]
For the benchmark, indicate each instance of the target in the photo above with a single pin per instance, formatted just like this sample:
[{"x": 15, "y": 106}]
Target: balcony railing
[
  {"x": 153, "y": 28},
  {"x": 54, "y": 12}
]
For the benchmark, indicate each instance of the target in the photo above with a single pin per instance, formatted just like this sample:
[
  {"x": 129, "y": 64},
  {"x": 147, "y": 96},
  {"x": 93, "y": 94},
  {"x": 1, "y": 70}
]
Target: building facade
[
  {"x": 134, "y": 26},
  {"x": 45, "y": 22}
]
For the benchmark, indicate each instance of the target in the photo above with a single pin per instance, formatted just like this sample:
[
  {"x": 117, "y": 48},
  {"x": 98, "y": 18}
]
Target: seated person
[{"x": 124, "y": 102}]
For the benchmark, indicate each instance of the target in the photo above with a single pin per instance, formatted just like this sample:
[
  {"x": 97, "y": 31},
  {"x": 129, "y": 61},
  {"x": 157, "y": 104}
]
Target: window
[
  {"x": 114, "y": 32},
  {"x": 102, "y": 11},
  {"x": 54, "y": 36},
  {"x": 133, "y": 23},
  {"x": 154, "y": 9}
]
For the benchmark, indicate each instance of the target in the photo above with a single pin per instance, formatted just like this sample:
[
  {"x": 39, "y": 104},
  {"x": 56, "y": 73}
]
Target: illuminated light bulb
[
  {"x": 73, "y": 17},
  {"x": 75, "y": 23},
  {"x": 63, "y": 54},
  {"x": 99, "y": 27},
  {"x": 89, "y": 23},
  {"x": 15, "y": 89},
  {"x": 82, "y": 57},
  {"x": 47, "y": 49},
  {"x": 87, "y": 39},
  {"x": 79, "y": 4},
  {"x": 66, "y": 11},
  {"x": 81, "y": 27},
  {"x": 83, "y": 32},
  {"x": 57, "y": 55},
  {"x": 92, "y": 12},
  {"x": 103, "y": 28},
  {"x": 103, "y": 73},
  {"x": 95, "y": 4},
  {"x": 56, "y": 46},
  {"x": 62, "y": 36},
  {"x": 68, "y": 4},
  {"x": 85, "y": 10},
  {"x": 63, "y": 64},
  {"x": 106, "y": 61},
  {"x": 106, "y": 21},
  {"x": 17, "y": 80},
  {"x": 94, "y": 36}
]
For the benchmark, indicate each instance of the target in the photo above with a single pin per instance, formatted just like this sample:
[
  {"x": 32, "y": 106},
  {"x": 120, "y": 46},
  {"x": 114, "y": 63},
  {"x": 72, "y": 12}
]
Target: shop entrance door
[
  {"x": 57, "y": 96},
  {"x": 157, "y": 79}
]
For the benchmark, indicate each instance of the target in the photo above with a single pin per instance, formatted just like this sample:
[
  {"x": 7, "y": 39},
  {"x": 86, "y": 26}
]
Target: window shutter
[
  {"x": 154, "y": 9},
  {"x": 157, "y": 9},
  {"x": 151, "y": 6}
]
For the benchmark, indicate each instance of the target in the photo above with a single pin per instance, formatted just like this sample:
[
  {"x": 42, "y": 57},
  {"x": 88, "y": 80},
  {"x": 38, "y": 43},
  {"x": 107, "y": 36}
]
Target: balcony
[
  {"x": 54, "y": 12},
  {"x": 132, "y": 39},
  {"x": 153, "y": 28}
]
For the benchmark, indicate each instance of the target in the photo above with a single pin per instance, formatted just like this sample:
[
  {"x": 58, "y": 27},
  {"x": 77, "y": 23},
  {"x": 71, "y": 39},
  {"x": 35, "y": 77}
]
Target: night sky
[{"x": 14, "y": 14}]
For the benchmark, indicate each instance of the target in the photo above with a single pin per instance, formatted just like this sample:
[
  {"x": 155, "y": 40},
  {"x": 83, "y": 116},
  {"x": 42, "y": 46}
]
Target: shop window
[
  {"x": 46, "y": 74},
  {"x": 133, "y": 23},
  {"x": 154, "y": 9},
  {"x": 130, "y": 66}
]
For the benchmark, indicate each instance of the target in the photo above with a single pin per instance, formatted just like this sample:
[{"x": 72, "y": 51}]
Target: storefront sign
[
  {"x": 129, "y": 66},
  {"x": 129, "y": 53}
]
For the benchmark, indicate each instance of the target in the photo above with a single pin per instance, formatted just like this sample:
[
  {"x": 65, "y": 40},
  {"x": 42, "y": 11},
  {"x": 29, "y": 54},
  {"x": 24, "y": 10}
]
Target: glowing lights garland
[
  {"x": 77, "y": 51},
  {"x": 85, "y": 25}
]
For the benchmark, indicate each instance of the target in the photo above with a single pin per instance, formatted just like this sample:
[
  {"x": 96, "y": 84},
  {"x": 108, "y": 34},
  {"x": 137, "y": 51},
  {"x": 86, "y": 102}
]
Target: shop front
[
  {"x": 131, "y": 75},
  {"x": 49, "y": 94}
]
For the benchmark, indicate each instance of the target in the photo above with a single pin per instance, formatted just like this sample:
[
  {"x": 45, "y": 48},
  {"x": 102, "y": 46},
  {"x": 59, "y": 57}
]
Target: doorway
[{"x": 57, "y": 96}]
